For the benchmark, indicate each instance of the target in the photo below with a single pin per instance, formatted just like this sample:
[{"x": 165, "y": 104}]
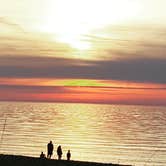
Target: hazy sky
[{"x": 83, "y": 43}]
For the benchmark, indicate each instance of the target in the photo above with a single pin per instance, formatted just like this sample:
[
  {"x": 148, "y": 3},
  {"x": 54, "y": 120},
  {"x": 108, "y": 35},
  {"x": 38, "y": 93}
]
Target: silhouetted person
[
  {"x": 59, "y": 152},
  {"x": 68, "y": 155},
  {"x": 50, "y": 148},
  {"x": 42, "y": 155}
]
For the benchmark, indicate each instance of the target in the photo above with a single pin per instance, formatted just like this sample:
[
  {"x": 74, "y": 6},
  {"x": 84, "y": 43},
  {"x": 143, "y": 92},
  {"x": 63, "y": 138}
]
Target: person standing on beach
[
  {"x": 68, "y": 155},
  {"x": 59, "y": 152},
  {"x": 50, "y": 148}
]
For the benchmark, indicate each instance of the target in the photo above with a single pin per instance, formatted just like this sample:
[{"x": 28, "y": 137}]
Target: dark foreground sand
[{"x": 12, "y": 160}]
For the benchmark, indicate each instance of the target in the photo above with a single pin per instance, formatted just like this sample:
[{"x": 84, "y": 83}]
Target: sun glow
[
  {"x": 71, "y": 20},
  {"x": 75, "y": 41}
]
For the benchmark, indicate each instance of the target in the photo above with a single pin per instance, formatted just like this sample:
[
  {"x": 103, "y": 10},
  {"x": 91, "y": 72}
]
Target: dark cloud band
[{"x": 141, "y": 70}]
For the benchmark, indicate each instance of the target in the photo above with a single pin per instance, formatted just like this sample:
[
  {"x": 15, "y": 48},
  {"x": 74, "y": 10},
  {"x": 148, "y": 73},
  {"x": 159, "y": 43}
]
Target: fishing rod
[{"x": 3, "y": 130}]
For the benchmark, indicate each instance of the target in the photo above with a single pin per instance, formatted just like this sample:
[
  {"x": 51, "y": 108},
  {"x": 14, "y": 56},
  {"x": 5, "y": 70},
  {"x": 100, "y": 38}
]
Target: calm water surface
[{"x": 103, "y": 133}]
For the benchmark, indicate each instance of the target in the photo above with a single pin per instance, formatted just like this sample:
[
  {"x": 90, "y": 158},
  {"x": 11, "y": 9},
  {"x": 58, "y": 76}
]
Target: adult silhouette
[
  {"x": 50, "y": 148},
  {"x": 59, "y": 152}
]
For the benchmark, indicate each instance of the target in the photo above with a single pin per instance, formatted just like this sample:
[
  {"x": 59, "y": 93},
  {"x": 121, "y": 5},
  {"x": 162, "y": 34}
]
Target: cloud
[
  {"x": 136, "y": 69},
  {"x": 35, "y": 89},
  {"x": 107, "y": 95},
  {"x": 130, "y": 41},
  {"x": 128, "y": 56},
  {"x": 13, "y": 26},
  {"x": 108, "y": 42}
]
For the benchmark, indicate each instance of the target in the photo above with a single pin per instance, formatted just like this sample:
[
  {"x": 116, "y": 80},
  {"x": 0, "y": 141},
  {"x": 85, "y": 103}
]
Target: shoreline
[{"x": 17, "y": 160}]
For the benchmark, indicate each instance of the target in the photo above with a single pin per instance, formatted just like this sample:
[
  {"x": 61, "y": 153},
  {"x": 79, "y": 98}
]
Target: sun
[
  {"x": 71, "y": 20},
  {"x": 74, "y": 40}
]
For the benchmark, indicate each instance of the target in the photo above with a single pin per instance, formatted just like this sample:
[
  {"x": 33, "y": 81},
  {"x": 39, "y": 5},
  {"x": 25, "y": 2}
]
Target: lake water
[{"x": 103, "y": 133}]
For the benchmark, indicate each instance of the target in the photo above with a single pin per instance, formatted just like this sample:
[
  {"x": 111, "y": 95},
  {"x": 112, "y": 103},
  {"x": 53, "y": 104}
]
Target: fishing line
[{"x": 3, "y": 130}]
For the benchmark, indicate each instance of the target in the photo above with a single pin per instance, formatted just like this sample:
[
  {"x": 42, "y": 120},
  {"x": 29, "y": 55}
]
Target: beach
[{"x": 12, "y": 160}]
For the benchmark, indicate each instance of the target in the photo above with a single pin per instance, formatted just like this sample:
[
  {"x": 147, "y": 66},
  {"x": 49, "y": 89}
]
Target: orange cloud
[{"x": 147, "y": 95}]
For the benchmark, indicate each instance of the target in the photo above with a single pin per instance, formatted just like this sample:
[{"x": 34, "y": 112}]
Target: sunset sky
[{"x": 92, "y": 51}]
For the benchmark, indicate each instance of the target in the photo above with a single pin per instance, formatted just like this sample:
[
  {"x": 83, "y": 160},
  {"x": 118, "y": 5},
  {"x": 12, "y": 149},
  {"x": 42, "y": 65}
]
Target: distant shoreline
[
  {"x": 15, "y": 160},
  {"x": 76, "y": 102}
]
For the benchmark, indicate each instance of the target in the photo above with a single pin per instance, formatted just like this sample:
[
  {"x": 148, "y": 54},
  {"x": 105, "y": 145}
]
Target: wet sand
[{"x": 12, "y": 160}]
